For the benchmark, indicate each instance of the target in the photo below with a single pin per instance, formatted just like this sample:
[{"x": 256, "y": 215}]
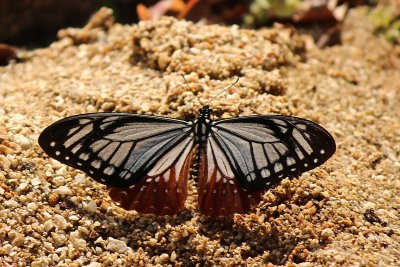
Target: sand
[{"x": 345, "y": 212}]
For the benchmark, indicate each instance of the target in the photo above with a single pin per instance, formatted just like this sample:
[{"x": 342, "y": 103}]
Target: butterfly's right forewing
[
  {"x": 263, "y": 150},
  {"x": 115, "y": 149}
]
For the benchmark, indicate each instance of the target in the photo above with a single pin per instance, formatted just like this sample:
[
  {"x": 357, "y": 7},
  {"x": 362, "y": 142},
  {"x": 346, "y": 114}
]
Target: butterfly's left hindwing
[
  {"x": 263, "y": 150},
  {"x": 163, "y": 190},
  {"x": 116, "y": 149}
]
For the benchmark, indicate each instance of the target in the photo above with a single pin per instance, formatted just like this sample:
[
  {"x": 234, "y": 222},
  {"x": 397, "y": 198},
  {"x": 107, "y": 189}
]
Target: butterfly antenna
[
  {"x": 183, "y": 76},
  {"x": 223, "y": 90},
  {"x": 189, "y": 86}
]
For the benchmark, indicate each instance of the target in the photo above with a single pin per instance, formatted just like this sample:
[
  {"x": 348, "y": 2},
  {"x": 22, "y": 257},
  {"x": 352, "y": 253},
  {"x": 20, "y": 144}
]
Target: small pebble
[
  {"x": 53, "y": 198},
  {"x": 32, "y": 206},
  {"x": 11, "y": 203},
  {"x": 116, "y": 245},
  {"x": 79, "y": 178},
  {"x": 172, "y": 258},
  {"x": 7, "y": 248},
  {"x": 310, "y": 211},
  {"x": 108, "y": 106},
  {"x": 49, "y": 246},
  {"x": 91, "y": 207},
  {"x": 5, "y": 150},
  {"x": 327, "y": 233},
  {"x": 163, "y": 258},
  {"x": 73, "y": 218},
  {"x": 18, "y": 240},
  {"x": 58, "y": 239},
  {"x": 36, "y": 181},
  {"x": 4, "y": 162},
  {"x": 63, "y": 190},
  {"x": 22, "y": 186},
  {"x": 339, "y": 258},
  {"x": 38, "y": 263},
  {"x": 78, "y": 242},
  {"x": 48, "y": 225},
  {"x": 93, "y": 264},
  {"x": 104, "y": 206},
  {"x": 22, "y": 141},
  {"x": 60, "y": 222}
]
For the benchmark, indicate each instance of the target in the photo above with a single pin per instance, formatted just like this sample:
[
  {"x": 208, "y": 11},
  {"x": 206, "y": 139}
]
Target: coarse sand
[{"x": 346, "y": 212}]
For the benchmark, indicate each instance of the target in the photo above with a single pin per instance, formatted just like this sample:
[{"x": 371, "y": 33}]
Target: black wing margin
[
  {"x": 263, "y": 150},
  {"x": 116, "y": 149}
]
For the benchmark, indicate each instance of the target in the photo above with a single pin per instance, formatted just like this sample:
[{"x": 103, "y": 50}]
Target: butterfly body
[{"x": 146, "y": 160}]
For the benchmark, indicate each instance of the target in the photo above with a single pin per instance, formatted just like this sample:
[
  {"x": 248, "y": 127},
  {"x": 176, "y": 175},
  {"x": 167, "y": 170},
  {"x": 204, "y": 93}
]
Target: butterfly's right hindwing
[{"x": 115, "y": 149}]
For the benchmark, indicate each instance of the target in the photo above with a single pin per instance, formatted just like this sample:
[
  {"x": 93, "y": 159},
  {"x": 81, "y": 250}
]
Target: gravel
[{"x": 345, "y": 212}]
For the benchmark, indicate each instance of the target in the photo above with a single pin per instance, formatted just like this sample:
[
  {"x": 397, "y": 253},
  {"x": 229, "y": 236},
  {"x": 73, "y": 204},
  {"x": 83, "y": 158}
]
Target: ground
[{"x": 345, "y": 212}]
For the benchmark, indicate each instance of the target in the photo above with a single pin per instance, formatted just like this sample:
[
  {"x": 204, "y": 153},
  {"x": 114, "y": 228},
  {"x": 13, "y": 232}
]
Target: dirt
[{"x": 346, "y": 212}]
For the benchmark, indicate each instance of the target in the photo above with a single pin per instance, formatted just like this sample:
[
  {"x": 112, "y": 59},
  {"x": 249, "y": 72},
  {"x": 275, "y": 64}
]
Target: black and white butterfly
[{"x": 146, "y": 160}]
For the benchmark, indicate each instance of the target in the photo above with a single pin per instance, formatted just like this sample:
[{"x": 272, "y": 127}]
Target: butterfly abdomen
[{"x": 201, "y": 130}]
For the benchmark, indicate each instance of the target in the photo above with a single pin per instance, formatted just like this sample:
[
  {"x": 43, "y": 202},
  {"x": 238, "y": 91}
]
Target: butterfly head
[{"x": 205, "y": 112}]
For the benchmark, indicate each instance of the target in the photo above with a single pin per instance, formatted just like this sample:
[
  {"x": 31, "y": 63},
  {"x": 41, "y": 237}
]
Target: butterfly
[{"x": 146, "y": 160}]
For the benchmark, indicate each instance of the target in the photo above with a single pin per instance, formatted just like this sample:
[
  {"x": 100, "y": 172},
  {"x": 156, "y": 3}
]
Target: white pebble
[
  {"x": 4, "y": 213},
  {"x": 63, "y": 190},
  {"x": 91, "y": 207},
  {"x": 32, "y": 206},
  {"x": 173, "y": 256},
  {"x": 48, "y": 246},
  {"x": 4, "y": 163},
  {"x": 327, "y": 233},
  {"x": 369, "y": 205},
  {"x": 11, "y": 203},
  {"x": 46, "y": 189},
  {"x": 55, "y": 258},
  {"x": 22, "y": 141},
  {"x": 36, "y": 181},
  {"x": 58, "y": 181},
  {"x": 79, "y": 178},
  {"x": 99, "y": 240},
  {"x": 22, "y": 186},
  {"x": 58, "y": 239},
  {"x": 7, "y": 249},
  {"x": 60, "y": 222},
  {"x": 116, "y": 245},
  {"x": 77, "y": 241},
  {"x": 73, "y": 218},
  {"x": 48, "y": 225}
]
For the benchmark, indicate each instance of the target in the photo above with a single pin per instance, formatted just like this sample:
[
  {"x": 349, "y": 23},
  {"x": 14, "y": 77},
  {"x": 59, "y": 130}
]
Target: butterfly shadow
[
  {"x": 260, "y": 234},
  {"x": 253, "y": 235}
]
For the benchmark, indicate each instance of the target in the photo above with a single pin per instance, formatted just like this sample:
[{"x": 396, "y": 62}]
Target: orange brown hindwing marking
[
  {"x": 223, "y": 196},
  {"x": 160, "y": 195}
]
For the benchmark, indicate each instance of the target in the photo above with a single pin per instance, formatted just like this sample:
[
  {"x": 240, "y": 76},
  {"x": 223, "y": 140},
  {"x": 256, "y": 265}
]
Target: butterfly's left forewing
[{"x": 116, "y": 149}]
